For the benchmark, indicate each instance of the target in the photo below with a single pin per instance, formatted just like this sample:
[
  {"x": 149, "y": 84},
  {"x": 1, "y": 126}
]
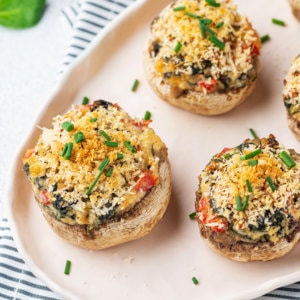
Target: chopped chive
[
  {"x": 147, "y": 115},
  {"x": 101, "y": 168},
  {"x": 246, "y": 202},
  {"x": 68, "y": 126},
  {"x": 88, "y": 192},
  {"x": 218, "y": 43},
  {"x": 177, "y": 47},
  {"x": 191, "y": 15},
  {"x": 219, "y": 25},
  {"x": 64, "y": 150},
  {"x": 253, "y": 133},
  {"x": 193, "y": 215},
  {"x": 206, "y": 21},
  {"x": 129, "y": 146},
  {"x": 109, "y": 172},
  {"x": 239, "y": 206},
  {"x": 203, "y": 29},
  {"x": 271, "y": 183},
  {"x": 212, "y": 3},
  {"x": 252, "y": 162},
  {"x": 179, "y": 8},
  {"x": 67, "y": 267},
  {"x": 111, "y": 144},
  {"x": 135, "y": 85},
  {"x": 93, "y": 120},
  {"x": 227, "y": 155},
  {"x": 103, "y": 165},
  {"x": 249, "y": 187},
  {"x": 105, "y": 135},
  {"x": 210, "y": 31},
  {"x": 195, "y": 280},
  {"x": 265, "y": 38},
  {"x": 68, "y": 152},
  {"x": 79, "y": 137},
  {"x": 278, "y": 22},
  {"x": 251, "y": 154},
  {"x": 120, "y": 156},
  {"x": 286, "y": 158},
  {"x": 85, "y": 101}
]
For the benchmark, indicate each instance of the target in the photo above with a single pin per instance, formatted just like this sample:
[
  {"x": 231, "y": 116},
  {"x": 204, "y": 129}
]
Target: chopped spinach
[
  {"x": 61, "y": 205},
  {"x": 26, "y": 168}
]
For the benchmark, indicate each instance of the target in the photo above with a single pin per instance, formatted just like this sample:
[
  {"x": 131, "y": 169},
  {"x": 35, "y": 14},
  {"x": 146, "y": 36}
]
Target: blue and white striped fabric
[
  {"x": 84, "y": 19},
  {"x": 87, "y": 18}
]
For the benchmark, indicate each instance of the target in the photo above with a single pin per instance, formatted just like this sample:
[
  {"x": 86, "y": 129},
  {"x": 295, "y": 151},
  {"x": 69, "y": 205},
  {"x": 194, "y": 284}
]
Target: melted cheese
[
  {"x": 66, "y": 182},
  {"x": 235, "y": 64},
  {"x": 268, "y": 213}
]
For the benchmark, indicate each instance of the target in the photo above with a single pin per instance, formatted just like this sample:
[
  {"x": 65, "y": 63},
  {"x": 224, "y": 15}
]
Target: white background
[{"x": 30, "y": 60}]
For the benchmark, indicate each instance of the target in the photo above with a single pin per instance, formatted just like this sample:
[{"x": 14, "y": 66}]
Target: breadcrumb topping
[
  {"x": 200, "y": 64},
  {"x": 65, "y": 185},
  {"x": 272, "y": 211}
]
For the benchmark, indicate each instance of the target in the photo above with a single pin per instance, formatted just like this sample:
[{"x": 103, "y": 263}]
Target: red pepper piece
[{"x": 146, "y": 182}]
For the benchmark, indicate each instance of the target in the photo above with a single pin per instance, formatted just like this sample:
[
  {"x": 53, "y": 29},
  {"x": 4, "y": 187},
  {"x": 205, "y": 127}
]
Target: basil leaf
[{"x": 21, "y": 14}]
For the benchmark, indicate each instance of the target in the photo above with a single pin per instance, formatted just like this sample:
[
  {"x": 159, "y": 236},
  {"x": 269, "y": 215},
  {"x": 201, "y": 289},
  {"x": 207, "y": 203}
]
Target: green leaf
[{"x": 19, "y": 14}]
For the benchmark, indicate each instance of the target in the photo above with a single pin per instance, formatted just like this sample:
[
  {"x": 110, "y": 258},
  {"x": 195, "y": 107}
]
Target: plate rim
[{"x": 8, "y": 204}]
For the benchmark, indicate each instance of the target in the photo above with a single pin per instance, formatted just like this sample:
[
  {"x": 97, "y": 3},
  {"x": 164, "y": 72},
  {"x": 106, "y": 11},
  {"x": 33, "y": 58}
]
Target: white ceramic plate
[{"x": 161, "y": 265}]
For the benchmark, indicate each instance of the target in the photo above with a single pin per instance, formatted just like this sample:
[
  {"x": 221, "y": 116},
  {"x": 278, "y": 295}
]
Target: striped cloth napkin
[{"x": 84, "y": 20}]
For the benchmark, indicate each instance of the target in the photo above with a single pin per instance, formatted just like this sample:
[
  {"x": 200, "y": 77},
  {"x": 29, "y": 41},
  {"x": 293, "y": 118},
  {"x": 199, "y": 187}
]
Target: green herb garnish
[
  {"x": 19, "y": 14},
  {"x": 120, "y": 156},
  {"x": 147, "y": 115},
  {"x": 85, "y": 101},
  {"x": 67, "y": 151},
  {"x": 191, "y": 15},
  {"x": 195, "y": 280},
  {"x": 253, "y": 133},
  {"x": 271, "y": 183},
  {"x": 286, "y": 158},
  {"x": 251, "y": 154},
  {"x": 67, "y": 267},
  {"x": 68, "y": 126},
  {"x": 177, "y": 47},
  {"x": 64, "y": 150},
  {"x": 93, "y": 120},
  {"x": 278, "y": 22},
  {"x": 101, "y": 168},
  {"x": 109, "y": 172},
  {"x": 249, "y": 187},
  {"x": 204, "y": 28},
  {"x": 193, "y": 215},
  {"x": 79, "y": 137},
  {"x": 129, "y": 146},
  {"x": 239, "y": 206},
  {"x": 213, "y": 3},
  {"x": 135, "y": 85},
  {"x": 252, "y": 162},
  {"x": 265, "y": 38},
  {"x": 105, "y": 135},
  {"x": 179, "y": 8},
  {"x": 219, "y": 25},
  {"x": 216, "y": 42},
  {"x": 111, "y": 144},
  {"x": 246, "y": 202},
  {"x": 227, "y": 155}
]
